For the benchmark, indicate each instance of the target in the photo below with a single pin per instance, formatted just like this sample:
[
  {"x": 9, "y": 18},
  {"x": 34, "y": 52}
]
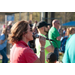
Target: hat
[
  {"x": 51, "y": 56},
  {"x": 41, "y": 24},
  {"x": 9, "y": 23}
]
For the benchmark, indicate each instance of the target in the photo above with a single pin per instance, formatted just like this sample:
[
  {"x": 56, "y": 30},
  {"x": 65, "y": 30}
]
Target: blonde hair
[
  {"x": 4, "y": 31},
  {"x": 69, "y": 30}
]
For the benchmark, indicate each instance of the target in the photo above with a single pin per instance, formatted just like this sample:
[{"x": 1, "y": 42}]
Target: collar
[
  {"x": 42, "y": 35},
  {"x": 22, "y": 42}
]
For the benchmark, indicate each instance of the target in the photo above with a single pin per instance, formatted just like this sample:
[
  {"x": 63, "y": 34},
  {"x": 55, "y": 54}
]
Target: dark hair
[
  {"x": 17, "y": 31},
  {"x": 51, "y": 57}
]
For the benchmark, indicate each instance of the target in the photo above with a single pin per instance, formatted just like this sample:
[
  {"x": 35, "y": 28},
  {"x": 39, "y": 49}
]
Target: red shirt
[{"x": 22, "y": 53}]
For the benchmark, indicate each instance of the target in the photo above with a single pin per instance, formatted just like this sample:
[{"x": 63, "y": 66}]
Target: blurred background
[
  {"x": 63, "y": 17},
  {"x": 47, "y": 16}
]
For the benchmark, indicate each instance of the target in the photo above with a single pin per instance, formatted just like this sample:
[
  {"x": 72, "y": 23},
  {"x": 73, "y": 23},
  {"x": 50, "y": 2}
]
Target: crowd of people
[{"x": 37, "y": 43}]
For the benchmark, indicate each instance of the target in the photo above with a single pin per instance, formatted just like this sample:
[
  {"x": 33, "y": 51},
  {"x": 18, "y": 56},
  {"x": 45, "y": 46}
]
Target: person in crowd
[
  {"x": 63, "y": 42},
  {"x": 35, "y": 23},
  {"x": 54, "y": 35},
  {"x": 3, "y": 46},
  {"x": 42, "y": 30},
  {"x": 31, "y": 43},
  {"x": 5, "y": 25},
  {"x": 70, "y": 31},
  {"x": 21, "y": 52},
  {"x": 10, "y": 24},
  {"x": 9, "y": 28},
  {"x": 35, "y": 32},
  {"x": 51, "y": 58},
  {"x": 69, "y": 47},
  {"x": 64, "y": 30},
  {"x": 48, "y": 30},
  {"x": 30, "y": 23}
]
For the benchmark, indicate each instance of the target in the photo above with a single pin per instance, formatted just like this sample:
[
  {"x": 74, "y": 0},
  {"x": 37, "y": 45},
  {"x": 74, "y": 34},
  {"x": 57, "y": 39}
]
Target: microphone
[{"x": 37, "y": 36}]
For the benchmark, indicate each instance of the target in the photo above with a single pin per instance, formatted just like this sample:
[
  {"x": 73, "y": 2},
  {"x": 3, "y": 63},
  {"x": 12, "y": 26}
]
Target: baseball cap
[
  {"x": 51, "y": 56},
  {"x": 41, "y": 24}
]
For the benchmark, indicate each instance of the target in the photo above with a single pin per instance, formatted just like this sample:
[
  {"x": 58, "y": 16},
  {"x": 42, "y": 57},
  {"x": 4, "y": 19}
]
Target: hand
[
  {"x": 42, "y": 41},
  {"x": 58, "y": 38}
]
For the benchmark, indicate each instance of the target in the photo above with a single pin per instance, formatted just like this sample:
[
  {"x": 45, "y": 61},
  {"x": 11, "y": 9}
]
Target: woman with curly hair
[{"x": 21, "y": 52}]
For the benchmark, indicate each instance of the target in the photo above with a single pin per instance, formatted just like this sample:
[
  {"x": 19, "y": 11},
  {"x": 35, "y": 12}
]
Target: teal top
[{"x": 69, "y": 55}]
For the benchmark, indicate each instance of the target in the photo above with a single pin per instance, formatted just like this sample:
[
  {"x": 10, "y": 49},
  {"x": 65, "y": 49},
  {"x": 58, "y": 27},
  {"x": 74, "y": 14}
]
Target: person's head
[
  {"x": 20, "y": 31},
  {"x": 70, "y": 30},
  {"x": 42, "y": 27},
  {"x": 36, "y": 22},
  {"x": 4, "y": 31},
  {"x": 30, "y": 22},
  {"x": 51, "y": 58},
  {"x": 55, "y": 23},
  {"x": 9, "y": 23}
]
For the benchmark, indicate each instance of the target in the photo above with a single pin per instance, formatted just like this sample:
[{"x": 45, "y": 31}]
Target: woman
[
  {"x": 21, "y": 52},
  {"x": 70, "y": 31},
  {"x": 3, "y": 45}
]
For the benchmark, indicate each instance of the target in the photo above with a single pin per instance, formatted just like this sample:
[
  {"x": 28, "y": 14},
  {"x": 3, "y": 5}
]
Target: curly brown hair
[{"x": 17, "y": 31}]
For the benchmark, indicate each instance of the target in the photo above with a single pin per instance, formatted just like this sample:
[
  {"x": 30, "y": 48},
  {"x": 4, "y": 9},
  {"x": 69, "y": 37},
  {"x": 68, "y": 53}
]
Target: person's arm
[
  {"x": 50, "y": 48},
  {"x": 2, "y": 41},
  {"x": 42, "y": 41},
  {"x": 58, "y": 38},
  {"x": 42, "y": 57}
]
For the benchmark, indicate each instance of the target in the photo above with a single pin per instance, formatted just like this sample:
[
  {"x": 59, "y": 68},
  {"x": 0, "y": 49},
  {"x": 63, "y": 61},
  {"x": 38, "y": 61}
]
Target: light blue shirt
[
  {"x": 2, "y": 46},
  {"x": 69, "y": 56}
]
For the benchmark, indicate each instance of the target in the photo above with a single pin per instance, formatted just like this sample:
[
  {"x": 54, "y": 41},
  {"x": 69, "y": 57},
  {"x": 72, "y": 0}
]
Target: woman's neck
[{"x": 23, "y": 39}]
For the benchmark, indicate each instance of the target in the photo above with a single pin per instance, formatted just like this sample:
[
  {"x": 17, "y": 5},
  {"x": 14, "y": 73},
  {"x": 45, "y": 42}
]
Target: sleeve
[
  {"x": 55, "y": 34},
  {"x": 30, "y": 55},
  {"x": 2, "y": 37},
  {"x": 47, "y": 43}
]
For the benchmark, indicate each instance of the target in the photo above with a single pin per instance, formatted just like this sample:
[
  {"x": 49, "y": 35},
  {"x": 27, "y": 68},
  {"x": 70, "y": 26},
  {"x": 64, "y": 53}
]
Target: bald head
[{"x": 55, "y": 23}]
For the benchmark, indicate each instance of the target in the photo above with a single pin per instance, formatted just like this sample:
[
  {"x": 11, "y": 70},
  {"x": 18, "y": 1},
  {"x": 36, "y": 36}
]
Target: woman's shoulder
[{"x": 22, "y": 47}]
